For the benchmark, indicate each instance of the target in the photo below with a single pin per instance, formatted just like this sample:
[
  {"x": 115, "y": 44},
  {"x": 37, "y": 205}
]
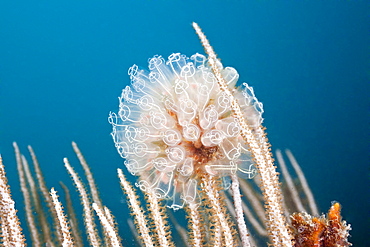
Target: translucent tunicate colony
[{"x": 175, "y": 125}]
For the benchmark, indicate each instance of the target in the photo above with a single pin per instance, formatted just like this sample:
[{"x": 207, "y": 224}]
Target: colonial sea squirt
[{"x": 175, "y": 126}]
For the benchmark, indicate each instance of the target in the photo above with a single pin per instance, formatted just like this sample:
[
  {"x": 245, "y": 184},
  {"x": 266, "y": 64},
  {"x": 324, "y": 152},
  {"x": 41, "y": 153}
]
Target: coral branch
[
  {"x": 9, "y": 220},
  {"x": 217, "y": 209},
  {"x": 239, "y": 212},
  {"x": 137, "y": 211},
  {"x": 64, "y": 226},
  {"x": 108, "y": 227},
  {"x": 259, "y": 147},
  {"x": 88, "y": 217}
]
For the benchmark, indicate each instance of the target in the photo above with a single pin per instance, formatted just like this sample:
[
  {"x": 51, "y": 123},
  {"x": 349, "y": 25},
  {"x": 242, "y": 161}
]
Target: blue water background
[{"x": 64, "y": 63}]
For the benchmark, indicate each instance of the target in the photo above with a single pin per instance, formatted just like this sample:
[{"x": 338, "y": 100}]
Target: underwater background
[{"x": 63, "y": 65}]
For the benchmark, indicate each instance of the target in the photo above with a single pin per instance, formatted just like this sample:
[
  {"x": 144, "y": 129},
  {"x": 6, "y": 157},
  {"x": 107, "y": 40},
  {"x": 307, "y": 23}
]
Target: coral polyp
[{"x": 175, "y": 125}]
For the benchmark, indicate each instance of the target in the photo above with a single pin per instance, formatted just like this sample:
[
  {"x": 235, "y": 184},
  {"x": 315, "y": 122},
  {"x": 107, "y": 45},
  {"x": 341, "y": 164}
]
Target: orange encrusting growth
[{"x": 321, "y": 231}]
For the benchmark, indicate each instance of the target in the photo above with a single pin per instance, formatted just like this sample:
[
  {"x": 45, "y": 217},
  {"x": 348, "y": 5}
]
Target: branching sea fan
[{"x": 175, "y": 125}]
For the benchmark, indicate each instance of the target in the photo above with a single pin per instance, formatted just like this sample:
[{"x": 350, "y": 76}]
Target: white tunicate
[
  {"x": 172, "y": 137},
  {"x": 186, "y": 168},
  {"x": 175, "y": 124},
  {"x": 212, "y": 138},
  {"x": 175, "y": 154},
  {"x": 191, "y": 132}
]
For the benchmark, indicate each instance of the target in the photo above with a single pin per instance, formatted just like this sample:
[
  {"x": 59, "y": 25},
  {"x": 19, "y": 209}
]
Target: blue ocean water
[{"x": 64, "y": 63}]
